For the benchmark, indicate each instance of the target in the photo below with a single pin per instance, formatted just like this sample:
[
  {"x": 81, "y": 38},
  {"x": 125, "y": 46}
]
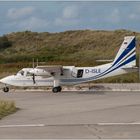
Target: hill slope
[{"x": 77, "y": 47}]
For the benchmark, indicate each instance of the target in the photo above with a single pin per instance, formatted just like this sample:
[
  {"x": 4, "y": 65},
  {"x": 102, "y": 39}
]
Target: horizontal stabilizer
[
  {"x": 134, "y": 69},
  {"x": 104, "y": 60}
]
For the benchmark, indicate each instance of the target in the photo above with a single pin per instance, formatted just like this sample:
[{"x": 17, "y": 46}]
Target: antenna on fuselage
[
  {"x": 33, "y": 63},
  {"x": 37, "y": 62}
]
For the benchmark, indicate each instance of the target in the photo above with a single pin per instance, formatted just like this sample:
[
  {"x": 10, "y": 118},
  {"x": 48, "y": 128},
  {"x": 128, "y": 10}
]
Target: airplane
[{"x": 58, "y": 76}]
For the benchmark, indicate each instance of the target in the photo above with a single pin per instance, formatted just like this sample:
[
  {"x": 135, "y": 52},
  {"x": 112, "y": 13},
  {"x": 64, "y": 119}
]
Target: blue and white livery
[{"x": 57, "y": 76}]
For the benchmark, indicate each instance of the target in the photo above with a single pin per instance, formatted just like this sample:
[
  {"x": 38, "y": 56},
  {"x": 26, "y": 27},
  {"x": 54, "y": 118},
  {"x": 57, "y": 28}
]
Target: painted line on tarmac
[
  {"x": 131, "y": 123},
  {"x": 22, "y": 125},
  {"x": 43, "y": 125}
]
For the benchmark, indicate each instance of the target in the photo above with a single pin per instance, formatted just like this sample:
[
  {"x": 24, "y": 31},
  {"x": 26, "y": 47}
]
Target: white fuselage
[{"x": 69, "y": 77}]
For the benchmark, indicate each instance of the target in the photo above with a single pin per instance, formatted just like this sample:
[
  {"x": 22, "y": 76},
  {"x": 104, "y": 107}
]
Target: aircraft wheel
[
  {"x": 56, "y": 89},
  {"x": 5, "y": 89}
]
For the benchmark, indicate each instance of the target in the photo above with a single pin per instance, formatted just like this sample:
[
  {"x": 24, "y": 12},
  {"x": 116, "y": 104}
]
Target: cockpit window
[{"x": 21, "y": 72}]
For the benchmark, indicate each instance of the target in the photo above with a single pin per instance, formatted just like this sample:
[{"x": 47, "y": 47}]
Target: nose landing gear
[
  {"x": 6, "y": 89},
  {"x": 57, "y": 89}
]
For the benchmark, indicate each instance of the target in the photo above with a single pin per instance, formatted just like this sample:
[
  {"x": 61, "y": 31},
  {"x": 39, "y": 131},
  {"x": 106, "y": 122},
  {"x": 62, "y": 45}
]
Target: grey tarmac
[{"x": 77, "y": 115}]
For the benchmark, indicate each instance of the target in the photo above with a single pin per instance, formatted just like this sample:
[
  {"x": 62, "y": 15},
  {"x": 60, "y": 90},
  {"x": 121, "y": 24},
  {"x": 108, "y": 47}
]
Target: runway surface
[{"x": 83, "y": 114}]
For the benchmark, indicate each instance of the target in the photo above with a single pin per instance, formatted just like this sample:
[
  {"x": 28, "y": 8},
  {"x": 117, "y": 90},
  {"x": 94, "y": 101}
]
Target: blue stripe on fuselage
[{"x": 96, "y": 77}]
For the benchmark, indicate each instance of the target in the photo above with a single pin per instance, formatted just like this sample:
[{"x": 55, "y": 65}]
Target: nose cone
[
  {"x": 3, "y": 80},
  {"x": 6, "y": 80}
]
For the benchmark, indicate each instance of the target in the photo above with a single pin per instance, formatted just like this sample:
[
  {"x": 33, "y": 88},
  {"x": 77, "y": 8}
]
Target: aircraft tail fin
[{"x": 126, "y": 56}]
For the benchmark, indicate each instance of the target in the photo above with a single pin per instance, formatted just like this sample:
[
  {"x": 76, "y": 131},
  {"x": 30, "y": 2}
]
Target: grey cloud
[{"x": 16, "y": 13}]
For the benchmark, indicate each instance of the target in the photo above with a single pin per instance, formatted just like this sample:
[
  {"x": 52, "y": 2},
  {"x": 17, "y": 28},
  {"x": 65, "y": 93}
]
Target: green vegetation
[
  {"x": 4, "y": 43},
  {"x": 79, "y": 48},
  {"x": 6, "y": 108}
]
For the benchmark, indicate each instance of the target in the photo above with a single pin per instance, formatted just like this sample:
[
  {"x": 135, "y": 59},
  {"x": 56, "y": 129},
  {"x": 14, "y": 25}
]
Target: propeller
[
  {"x": 33, "y": 64},
  {"x": 34, "y": 78},
  {"x": 34, "y": 81}
]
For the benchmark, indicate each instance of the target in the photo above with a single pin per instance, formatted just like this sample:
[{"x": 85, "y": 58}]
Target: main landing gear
[
  {"x": 57, "y": 89},
  {"x": 6, "y": 89},
  {"x": 56, "y": 86}
]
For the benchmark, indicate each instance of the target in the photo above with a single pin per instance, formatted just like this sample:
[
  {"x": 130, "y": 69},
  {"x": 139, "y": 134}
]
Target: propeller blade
[
  {"x": 34, "y": 79},
  {"x": 37, "y": 62}
]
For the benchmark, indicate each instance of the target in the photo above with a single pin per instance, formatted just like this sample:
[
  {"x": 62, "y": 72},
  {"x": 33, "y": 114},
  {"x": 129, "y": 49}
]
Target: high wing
[{"x": 54, "y": 70}]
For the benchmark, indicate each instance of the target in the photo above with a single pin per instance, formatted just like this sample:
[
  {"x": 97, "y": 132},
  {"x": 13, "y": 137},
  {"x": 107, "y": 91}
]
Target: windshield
[
  {"x": 24, "y": 72},
  {"x": 21, "y": 72}
]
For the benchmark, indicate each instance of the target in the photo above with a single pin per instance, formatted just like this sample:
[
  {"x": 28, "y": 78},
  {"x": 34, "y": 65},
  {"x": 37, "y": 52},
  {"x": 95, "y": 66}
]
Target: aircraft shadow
[{"x": 92, "y": 92}]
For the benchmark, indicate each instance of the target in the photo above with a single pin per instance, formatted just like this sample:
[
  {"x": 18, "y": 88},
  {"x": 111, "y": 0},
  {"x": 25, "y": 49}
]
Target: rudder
[{"x": 126, "y": 55}]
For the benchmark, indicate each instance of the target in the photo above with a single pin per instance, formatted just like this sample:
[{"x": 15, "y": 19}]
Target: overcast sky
[{"x": 60, "y": 16}]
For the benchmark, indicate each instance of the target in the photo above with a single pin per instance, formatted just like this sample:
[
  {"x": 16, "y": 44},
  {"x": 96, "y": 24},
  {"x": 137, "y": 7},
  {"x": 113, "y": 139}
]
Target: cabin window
[
  {"x": 28, "y": 74},
  {"x": 80, "y": 73}
]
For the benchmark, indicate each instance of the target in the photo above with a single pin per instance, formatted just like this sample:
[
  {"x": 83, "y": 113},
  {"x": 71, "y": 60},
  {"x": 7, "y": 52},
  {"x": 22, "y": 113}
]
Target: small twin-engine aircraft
[{"x": 57, "y": 75}]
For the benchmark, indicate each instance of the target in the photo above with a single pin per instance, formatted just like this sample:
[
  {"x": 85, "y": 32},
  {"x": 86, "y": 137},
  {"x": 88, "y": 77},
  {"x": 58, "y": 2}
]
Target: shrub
[{"x": 4, "y": 42}]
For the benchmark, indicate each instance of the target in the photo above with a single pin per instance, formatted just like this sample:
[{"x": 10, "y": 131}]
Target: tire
[
  {"x": 6, "y": 89},
  {"x": 56, "y": 89}
]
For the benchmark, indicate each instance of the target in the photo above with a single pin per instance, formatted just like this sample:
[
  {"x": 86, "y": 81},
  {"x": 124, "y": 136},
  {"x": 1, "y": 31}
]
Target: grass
[
  {"x": 76, "y": 46},
  {"x": 6, "y": 108}
]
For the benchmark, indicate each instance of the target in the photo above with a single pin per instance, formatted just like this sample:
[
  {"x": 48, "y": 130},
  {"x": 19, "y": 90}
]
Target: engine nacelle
[{"x": 40, "y": 72}]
